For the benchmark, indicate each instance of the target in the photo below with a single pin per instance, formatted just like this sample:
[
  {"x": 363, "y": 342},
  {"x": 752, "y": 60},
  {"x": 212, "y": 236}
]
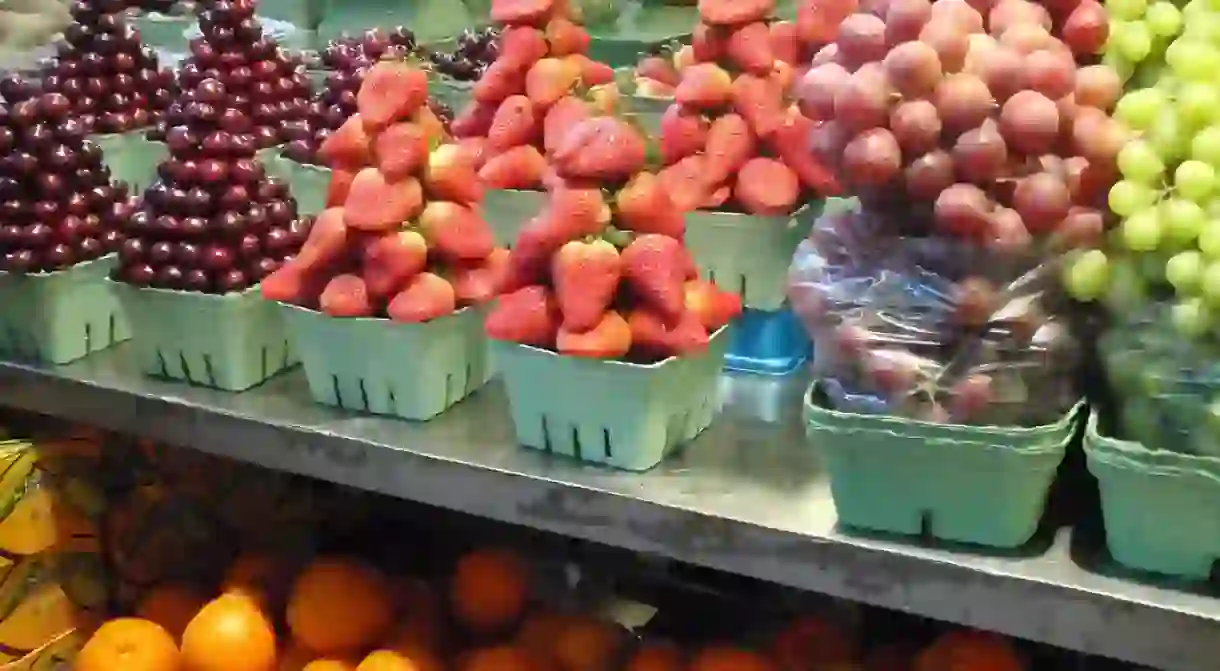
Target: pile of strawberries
[
  {"x": 402, "y": 235},
  {"x": 733, "y": 139},
  {"x": 538, "y": 82},
  {"x": 607, "y": 278}
]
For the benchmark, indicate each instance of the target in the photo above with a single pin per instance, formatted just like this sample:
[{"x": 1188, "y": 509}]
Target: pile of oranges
[{"x": 341, "y": 614}]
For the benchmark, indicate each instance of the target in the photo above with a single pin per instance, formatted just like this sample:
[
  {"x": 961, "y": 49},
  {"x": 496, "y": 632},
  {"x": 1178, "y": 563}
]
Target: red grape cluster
[
  {"x": 57, "y": 204},
  {"x": 976, "y": 111},
  {"x": 214, "y": 222}
]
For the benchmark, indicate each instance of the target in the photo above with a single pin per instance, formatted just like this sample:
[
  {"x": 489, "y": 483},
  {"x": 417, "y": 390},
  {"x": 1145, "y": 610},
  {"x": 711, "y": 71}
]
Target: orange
[
  {"x": 728, "y": 658},
  {"x": 230, "y": 633},
  {"x": 586, "y": 644},
  {"x": 540, "y": 631},
  {"x": 655, "y": 657},
  {"x": 419, "y": 613},
  {"x": 964, "y": 650},
  {"x": 171, "y": 606},
  {"x": 261, "y": 575},
  {"x": 339, "y": 606},
  {"x": 294, "y": 658},
  {"x": 489, "y": 589},
  {"x": 503, "y": 658},
  {"x": 392, "y": 660},
  {"x": 813, "y": 642},
  {"x": 330, "y": 664},
  {"x": 130, "y": 644}
]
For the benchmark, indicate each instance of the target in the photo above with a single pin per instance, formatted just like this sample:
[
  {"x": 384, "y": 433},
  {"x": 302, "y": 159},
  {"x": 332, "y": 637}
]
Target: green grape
[
  {"x": 1126, "y": 10},
  {"x": 1184, "y": 271},
  {"x": 1194, "y": 180},
  {"x": 1127, "y": 291},
  {"x": 1204, "y": 26},
  {"x": 1141, "y": 232},
  {"x": 1119, "y": 64},
  {"x": 1169, "y": 137},
  {"x": 1181, "y": 222},
  {"x": 1164, "y": 19},
  {"x": 1209, "y": 284},
  {"x": 1192, "y": 318},
  {"x": 1139, "y": 161},
  {"x": 1128, "y": 197},
  {"x": 1153, "y": 74},
  {"x": 1205, "y": 146},
  {"x": 1209, "y": 240},
  {"x": 1198, "y": 103},
  {"x": 1087, "y": 275},
  {"x": 1140, "y": 108},
  {"x": 1193, "y": 59},
  {"x": 1131, "y": 39}
]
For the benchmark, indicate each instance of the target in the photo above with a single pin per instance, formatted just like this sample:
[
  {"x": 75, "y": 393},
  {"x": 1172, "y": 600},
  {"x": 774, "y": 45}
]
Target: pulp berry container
[
  {"x": 613, "y": 413},
  {"x": 507, "y": 210},
  {"x": 771, "y": 342},
  {"x": 412, "y": 371},
  {"x": 231, "y": 342},
  {"x": 308, "y": 183},
  {"x": 60, "y": 316},
  {"x": 131, "y": 157},
  {"x": 748, "y": 254},
  {"x": 430, "y": 20},
  {"x": 1161, "y": 508},
  {"x": 970, "y": 484}
]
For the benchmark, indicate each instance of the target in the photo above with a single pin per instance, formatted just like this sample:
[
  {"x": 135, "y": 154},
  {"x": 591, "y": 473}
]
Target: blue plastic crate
[{"x": 770, "y": 342}]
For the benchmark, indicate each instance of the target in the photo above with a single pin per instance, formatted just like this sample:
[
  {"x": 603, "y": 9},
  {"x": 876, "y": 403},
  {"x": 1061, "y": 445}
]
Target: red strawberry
[
  {"x": 818, "y": 21},
  {"x": 601, "y": 148},
  {"x": 518, "y": 168},
  {"x": 658, "y": 69},
  {"x": 346, "y": 296},
  {"x": 474, "y": 120},
  {"x": 653, "y": 268},
  {"x": 644, "y": 207},
  {"x": 609, "y": 339},
  {"x": 522, "y": 46},
  {"x": 391, "y": 91},
  {"x": 717, "y": 198},
  {"x": 474, "y": 150},
  {"x": 375, "y": 204},
  {"x": 337, "y": 188},
  {"x": 572, "y": 214},
  {"x": 709, "y": 43},
  {"x": 682, "y": 133},
  {"x": 479, "y": 282},
  {"x": 348, "y": 147},
  {"x": 533, "y": 12},
  {"x": 388, "y": 261},
  {"x": 455, "y": 232},
  {"x": 585, "y": 276},
  {"x": 400, "y": 150},
  {"x": 704, "y": 86},
  {"x": 767, "y": 186},
  {"x": 450, "y": 175},
  {"x": 714, "y": 307},
  {"x": 652, "y": 337},
  {"x": 735, "y": 12},
  {"x": 786, "y": 42},
  {"x": 749, "y": 48},
  {"x": 729, "y": 145},
  {"x": 426, "y": 297},
  {"x": 592, "y": 73},
  {"x": 514, "y": 124},
  {"x": 327, "y": 240},
  {"x": 431, "y": 125},
  {"x": 561, "y": 118},
  {"x": 528, "y": 316},
  {"x": 301, "y": 280},
  {"x": 760, "y": 103},
  {"x": 685, "y": 182},
  {"x": 503, "y": 78},
  {"x": 550, "y": 79},
  {"x": 566, "y": 37},
  {"x": 789, "y": 142}
]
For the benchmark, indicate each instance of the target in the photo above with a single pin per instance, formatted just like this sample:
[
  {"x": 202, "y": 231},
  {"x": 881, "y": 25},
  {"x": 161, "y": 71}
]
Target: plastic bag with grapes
[{"x": 931, "y": 328}]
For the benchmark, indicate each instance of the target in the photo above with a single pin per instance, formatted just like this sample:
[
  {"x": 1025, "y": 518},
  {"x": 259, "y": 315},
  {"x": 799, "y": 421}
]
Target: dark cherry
[
  {"x": 21, "y": 164},
  {"x": 186, "y": 254},
  {"x": 111, "y": 239},
  {"x": 213, "y": 171},
  {"x": 91, "y": 224},
  {"x": 234, "y": 121},
  {"x": 231, "y": 281},
  {"x": 228, "y": 60},
  {"x": 140, "y": 223},
  {"x": 235, "y": 197},
  {"x": 204, "y": 112},
  {"x": 194, "y": 228},
  {"x": 256, "y": 217},
  {"x": 181, "y": 141},
  {"x": 69, "y": 131},
  {"x": 123, "y": 84},
  {"x": 20, "y": 261},
  {"x": 13, "y": 210},
  {"x": 141, "y": 274},
  {"x": 279, "y": 241},
  {"x": 265, "y": 70},
  {"x": 91, "y": 154},
  {"x": 175, "y": 201},
  {"x": 132, "y": 251},
  {"x": 247, "y": 170},
  {"x": 250, "y": 247},
  {"x": 217, "y": 144},
  {"x": 47, "y": 211},
  {"x": 140, "y": 117},
  {"x": 72, "y": 88},
  {"x": 123, "y": 62},
  {"x": 210, "y": 91},
  {"x": 300, "y": 151},
  {"x": 58, "y": 256},
  {"x": 197, "y": 280},
  {"x": 273, "y": 188},
  {"x": 90, "y": 248},
  {"x": 216, "y": 258},
  {"x": 184, "y": 172},
  {"x": 198, "y": 202},
  {"x": 168, "y": 225},
  {"x": 169, "y": 277},
  {"x": 38, "y": 138},
  {"x": 61, "y": 158},
  {"x": 101, "y": 195},
  {"x": 266, "y": 136},
  {"x": 11, "y": 188},
  {"x": 54, "y": 106},
  {"x": 161, "y": 253},
  {"x": 230, "y": 224},
  {"x": 281, "y": 213},
  {"x": 50, "y": 185},
  {"x": 38, "y": 236},
  {"x": 10, "y": 235}
]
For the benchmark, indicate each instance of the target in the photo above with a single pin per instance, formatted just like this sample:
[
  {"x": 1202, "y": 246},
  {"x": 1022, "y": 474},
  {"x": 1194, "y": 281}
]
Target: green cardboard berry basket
[
  {"x": 411, "y": 371},
  {"x": 308, "y": 183},
  {"x": 1161, "y": 508},
  {"x": 61, "y": 316},
  {"x": 716, "y": 240},
  {"x": 624, "y": 415},
  {"x": 430, "y": 20},
  {"x": 231, "y": 342},
  {"x": 970, "y": 484},
  {"x": 620, "y": 30},
  {"x": 507, "y": 210},
  {"x": 131, "y": 157}
]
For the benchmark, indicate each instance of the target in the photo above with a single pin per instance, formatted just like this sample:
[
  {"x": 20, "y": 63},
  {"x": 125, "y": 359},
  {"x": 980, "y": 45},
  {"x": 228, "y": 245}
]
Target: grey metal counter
[{"x": 747, "y": 497}]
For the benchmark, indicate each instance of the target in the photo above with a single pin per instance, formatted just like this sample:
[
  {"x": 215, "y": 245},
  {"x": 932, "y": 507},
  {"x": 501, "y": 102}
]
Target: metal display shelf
[{"x": 747, "y": 497}]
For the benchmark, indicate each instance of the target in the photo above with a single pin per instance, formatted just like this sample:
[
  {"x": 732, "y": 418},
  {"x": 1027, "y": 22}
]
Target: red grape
[
  {"x": 872, "y": 158},
  {"x": 1042, "y": 200},
  {"x": 963, "y": 209},
  {"x": 861, "y": 39},
  {"x": 904, "y": 19},
  {"x": 913, "y": 68},
  {"x": 950, "y": 42},
  {"x": 1090, "y": 181},
  {"x": 1098, "y": 86},
  {"x": 1008, "y": 13},
  {"x": 980, "y": 154},
  {"x": 916, "y": 126},
  {"x": 828, "y": 140},
  {"x": 818, "y": 88},
  {"x": 970, "y": 396},
  {"x": 818, "y": 20},
  {"x": 1051, "y": 74},
  {"x": 974, "y": 302},
  {"x": 1096, "y": 136},
  {"x": 1026, "y": 38},
  {"x": 1003, "y": 72},
  {"x": 1029, "y": 122},
  {"x": 963, "y": 101},
  {"x": 827, "y": 54},
  {"x": 960, "y": 13},
  {"x": 863, "y": 101},
  {"x": 1087, "y": 28},
  {"x": 929, "y": 174},
  {"x": 1007, "y": 233},
  {"x": 1083, "y": 227}
]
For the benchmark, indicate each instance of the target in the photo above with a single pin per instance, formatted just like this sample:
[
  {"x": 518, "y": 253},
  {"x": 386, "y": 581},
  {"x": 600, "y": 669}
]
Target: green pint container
[
  {"x": 507, "y": 210},
  {"x": 131, "y": 157},
  {"x": 307, "y": 183}
]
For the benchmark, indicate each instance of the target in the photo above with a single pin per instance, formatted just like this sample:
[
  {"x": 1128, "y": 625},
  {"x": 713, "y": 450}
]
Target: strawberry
[
  {"x": 714, "y": 307},
  {"x": 789, "y": 142},
  {"x": 450, "y": 175},
  {"x": 609, "y": 339},
  {"x": 479, "y": 282},
  {"x": 338, "y": 186},
  {"x": 729, "y": 145},
  {"x": 541, "y": 237},
  {"x": 455, "y": 232},
  {"x": 514, "y": 124},
  {"x": 518, "y": 168},
  {"x": 566, "y": 37},
  {"x": 346, "y": 296},
  {"x": 782, "y": 77},
  {"x": 651, "y": 88},
  {"x": 601, "y": 148},
  {"x": 377, "y": 204},
  {"x": 427, "y": 296},
  {"x": 584, "y": 208},
  {"x": 521, "y": 12},
  {"x": 749, "y": 48},
  {"x": 760, "y": 103},
  {"x": 644, "y": 207},
  {"x": 522, "y": 46},
  {"x": 400, "y": 150},
  {"x": 433, "y": 127},
  {"x": 704, "y": 86},
  {"x": 474, "y": 120},
  {"x": 528, "y": 316},
  {"x": 658, "y": 69},
  {"x": 708, "y": 44},
  {"x": 560, "y": 118},
  {"x": 474, "y": 150},
  {"x": 391, "y": 91},
  {"x": 684, "y": 57},
  {"x": 734, "y": 12},
  {"x": 786, "y": 42},
  {"x": 327, "y": 240},
  {"x": 503, "y": 78},
  {"x": 685, "y": 182},
  {"x": 653, "y": 269},
  {"x": 717, "y": 198},
  {"x": 682, "y": 133},
  {"x": 350, "y": 146},
  {"x": 767, "y": 186},
  {"x": 389, "y": 260},
  {"x": 651, "y": 337},
  {"x": 550, "y": 79},
  {"x": 585, "y": 276},
  {"x": 817, "y": 21},
  {"x": 301, "y": 280},
  {"x": 592, "y": 73}
]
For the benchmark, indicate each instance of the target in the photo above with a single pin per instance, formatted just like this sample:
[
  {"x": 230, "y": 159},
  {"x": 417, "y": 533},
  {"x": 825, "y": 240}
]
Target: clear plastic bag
[{"x": 932, "y": 329}]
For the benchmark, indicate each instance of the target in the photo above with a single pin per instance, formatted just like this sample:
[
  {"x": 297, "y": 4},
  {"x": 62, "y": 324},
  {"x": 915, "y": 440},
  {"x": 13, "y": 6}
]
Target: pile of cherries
[
  {"x": 476, "y": 50},
  {"x": 349, "y": 53},
  {"x": 57, "y": 204},
  {"x": 214, "y": 222}
]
